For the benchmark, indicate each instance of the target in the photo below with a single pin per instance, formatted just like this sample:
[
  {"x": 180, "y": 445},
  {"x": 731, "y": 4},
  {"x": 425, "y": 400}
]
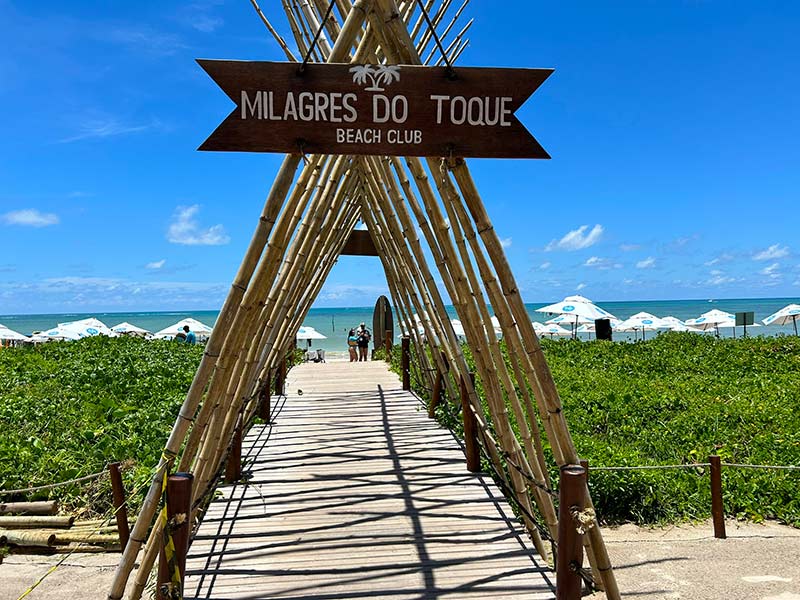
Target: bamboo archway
[{"x": 314, "y": 203}]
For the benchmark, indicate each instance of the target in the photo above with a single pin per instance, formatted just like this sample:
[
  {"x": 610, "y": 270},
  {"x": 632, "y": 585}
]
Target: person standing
[
  {"x": 364, "y": 337},
  {"x": 191, "y": 338},
  {"x": 352, "y": 345}
]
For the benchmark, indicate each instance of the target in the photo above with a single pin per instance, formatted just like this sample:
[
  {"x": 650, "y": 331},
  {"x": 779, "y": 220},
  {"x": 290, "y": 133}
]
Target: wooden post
[
  {"x": 572, "y": 493},
  {"x": 436, "y": 396},
  {"x": 120, "y": 511},
  {"x": 233, "y": 468},
  {"x": 283, "y": 377},
  {"x": 264, "y": 407},
  {"x": 387, "y": 344},
  {"x": 405, "y": 362},
  {"x": 585, "y": 464},
  {"x": 470, "y": 429},
  {"x": 179, "y": 510},
  {"x": 717, "y": 510}
]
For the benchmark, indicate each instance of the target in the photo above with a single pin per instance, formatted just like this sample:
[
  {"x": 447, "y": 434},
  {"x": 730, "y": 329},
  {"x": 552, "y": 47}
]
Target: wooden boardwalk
[{"x": 355, "y": 493}]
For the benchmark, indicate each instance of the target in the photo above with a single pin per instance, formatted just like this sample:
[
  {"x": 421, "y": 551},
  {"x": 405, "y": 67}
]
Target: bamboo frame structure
[{"x": 415, "y": 208}]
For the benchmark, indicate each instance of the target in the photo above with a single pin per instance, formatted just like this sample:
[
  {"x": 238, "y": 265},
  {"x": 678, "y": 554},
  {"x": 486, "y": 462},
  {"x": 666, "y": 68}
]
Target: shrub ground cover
[
  {"x": 68, "y": 408},
  {"x": 676, "y": 399}
]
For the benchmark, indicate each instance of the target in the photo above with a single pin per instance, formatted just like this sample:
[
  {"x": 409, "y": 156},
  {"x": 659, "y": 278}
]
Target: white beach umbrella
[
  {"x": 711, "y": 320},
  {"x": 642, "y": 321},
  {"x": 675, "y": 324},
  {"x": 11, "y": 335},
  {"x": 569, "y": 320},
  {"x": 124, "y": 328},
  {"x": 577, "y": 307},
  {"x": 553, "y": 330},
  {"x": 87, "y": 328},
  {"x": 55, "y": 334},
  {"x": 200, "y": 329},
  {"x": 498, "y": 330},
  {"x": 309, "y": 333},
  {"x": 788, "y": 314},
  {"x": 458, "y": 328}
]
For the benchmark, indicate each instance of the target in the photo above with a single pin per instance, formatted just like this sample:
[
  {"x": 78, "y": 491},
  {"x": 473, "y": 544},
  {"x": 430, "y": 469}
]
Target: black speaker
[{"x": 602, "y": 329}]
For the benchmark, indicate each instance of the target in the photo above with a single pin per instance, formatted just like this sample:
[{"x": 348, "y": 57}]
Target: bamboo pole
[
  {"x": 43, "y": 507},
  {"x": 278, "y": 38},
  {"x": 27, "y": 537},
  {"x": 350, "y": 29},
  {"x": 35, "y": 522}
]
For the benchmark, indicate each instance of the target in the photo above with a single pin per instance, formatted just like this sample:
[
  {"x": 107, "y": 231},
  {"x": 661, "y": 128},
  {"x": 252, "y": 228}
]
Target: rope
[
  {"x": 52, "y": 485},
  {"x": 451, "y": 74},
  {"x": 103, "y": 523},
  {"x": 777, "y": 467},
  {"x": 316, "y": 37},
  {"x": 651, "y": 467}
]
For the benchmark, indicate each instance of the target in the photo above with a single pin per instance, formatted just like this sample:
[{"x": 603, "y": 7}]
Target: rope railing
[{"x": 52, "y": 485}]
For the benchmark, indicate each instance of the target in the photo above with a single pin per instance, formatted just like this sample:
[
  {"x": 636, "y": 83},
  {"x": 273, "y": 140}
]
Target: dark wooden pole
[
  {"x": 233, "y": 468},
  {"x": 120, "y": 511},
  {"x": 717, "y": 510},
  {"x": 572, "y": 493},
  {"x": 387, "y": 345},
  {"x": 264, "y": 405},
  {"x": 179, "y": 506},
  {"x": 438, "y": 386},
  {"x": 470, "y": 429},
  {"x": 436, "y": 396},
  {"x": 405, "y": 362}
]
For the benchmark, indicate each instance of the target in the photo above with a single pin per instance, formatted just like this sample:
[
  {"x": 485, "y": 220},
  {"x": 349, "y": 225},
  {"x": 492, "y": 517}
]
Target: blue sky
[{"x": 673, "y": 128}]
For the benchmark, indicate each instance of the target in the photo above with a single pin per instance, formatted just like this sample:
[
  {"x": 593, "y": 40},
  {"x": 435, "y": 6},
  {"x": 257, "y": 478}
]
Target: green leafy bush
[
  {"x": 676, "y": 399},
  {"x": 68, "y": 408}
]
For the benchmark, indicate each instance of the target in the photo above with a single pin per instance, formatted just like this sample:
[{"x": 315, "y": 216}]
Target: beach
[{"x": 335, "y": 322}]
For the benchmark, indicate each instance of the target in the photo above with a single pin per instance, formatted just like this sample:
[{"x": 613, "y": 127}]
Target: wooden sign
[
  {"x": 395, "y": 110},
  {"x": 382, "y": 321},
  {"x": 359, "y": 243}
]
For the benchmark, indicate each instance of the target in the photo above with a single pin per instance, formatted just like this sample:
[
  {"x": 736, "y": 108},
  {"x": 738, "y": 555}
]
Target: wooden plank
[{"x": 357, "y": 494}]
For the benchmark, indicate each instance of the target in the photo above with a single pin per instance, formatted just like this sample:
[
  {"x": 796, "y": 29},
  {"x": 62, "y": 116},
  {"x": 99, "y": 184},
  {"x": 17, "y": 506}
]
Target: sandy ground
[
  {"x": 82, "y": 576},
  {"x": 756, "y": 562}
]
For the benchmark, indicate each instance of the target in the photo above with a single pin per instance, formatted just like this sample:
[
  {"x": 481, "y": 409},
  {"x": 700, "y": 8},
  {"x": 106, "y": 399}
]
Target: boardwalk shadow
[{"x": 361, "y": 497}]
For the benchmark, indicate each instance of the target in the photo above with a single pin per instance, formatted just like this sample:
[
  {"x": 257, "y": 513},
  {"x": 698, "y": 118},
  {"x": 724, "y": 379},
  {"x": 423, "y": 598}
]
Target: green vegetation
[
  {"x": 675, "y": 400},
  {"x": 68, "y": 408}
]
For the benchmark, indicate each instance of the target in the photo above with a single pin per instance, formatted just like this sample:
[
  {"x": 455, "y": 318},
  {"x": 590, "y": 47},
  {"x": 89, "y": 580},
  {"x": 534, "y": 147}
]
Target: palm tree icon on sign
[{"x": 383, "y": 74}]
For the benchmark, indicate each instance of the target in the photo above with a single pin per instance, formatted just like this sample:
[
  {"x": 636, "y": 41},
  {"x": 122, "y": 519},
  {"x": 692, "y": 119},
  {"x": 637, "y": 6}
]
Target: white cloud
[
  {"x": 719, "y": 278},
  {"x": 647, "y": 263},
  {"x": 106, "y": 127},
  {"x": 722, "y": 258},
  {"x": 771, "y": 271},
  {"x": 629, "y": 247},
  {"x": 577, "y": 239},
  {"x": 603, "y": 264},
  {"x": 545, "y": 265},
  {"x": 771, "y": 253},
  {"x": 506, "y": 243},
  {"x": 185, "y": 230},
  {"x": 29, "y": 217},
  {"x": 156, "y": 264},
  {"x": 579, "y": 287}
]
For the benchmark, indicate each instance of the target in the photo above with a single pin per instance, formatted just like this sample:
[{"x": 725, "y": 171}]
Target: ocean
[{"x": 336, "y": 322}]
